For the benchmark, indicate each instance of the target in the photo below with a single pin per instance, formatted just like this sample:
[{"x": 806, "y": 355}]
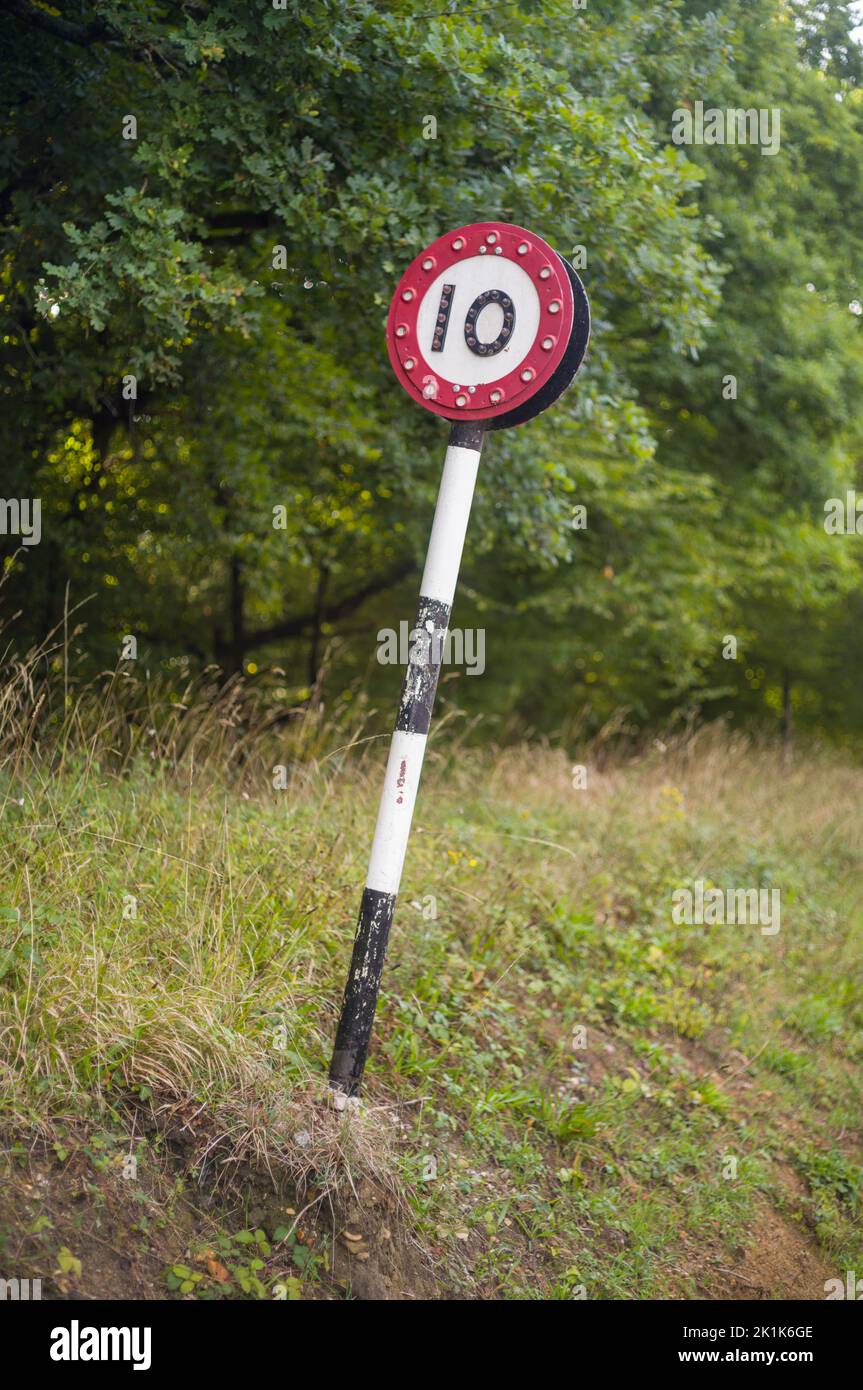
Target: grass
[{"x": 568, "y": 1094}]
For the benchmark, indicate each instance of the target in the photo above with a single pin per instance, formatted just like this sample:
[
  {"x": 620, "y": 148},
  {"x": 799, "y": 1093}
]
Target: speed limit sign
[
  {"x": 488, "y": 324},
  {"x": 487, "y": 327}
]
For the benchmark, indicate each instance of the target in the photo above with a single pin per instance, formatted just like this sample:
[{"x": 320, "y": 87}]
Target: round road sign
[{"x": 489, "y": 324}]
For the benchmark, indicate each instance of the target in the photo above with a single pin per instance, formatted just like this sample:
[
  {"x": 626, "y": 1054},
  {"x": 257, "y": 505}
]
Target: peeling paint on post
[{"x": 487, "y": 327}]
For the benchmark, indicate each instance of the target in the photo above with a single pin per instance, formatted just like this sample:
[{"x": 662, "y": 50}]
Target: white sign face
[{"x": 455, "y": 359}]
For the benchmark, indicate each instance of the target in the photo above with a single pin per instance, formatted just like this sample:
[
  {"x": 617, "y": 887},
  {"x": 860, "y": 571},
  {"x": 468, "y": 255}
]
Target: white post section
[
  {"x": 449, "y": 527},
  {"x": 395, "y": 811},
  {"x": 408, "y": 746},
  {"x": 407, "y": 750}
]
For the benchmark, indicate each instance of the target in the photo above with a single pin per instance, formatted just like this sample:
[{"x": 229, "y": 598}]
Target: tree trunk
[
  {"x": 786, "y": 718},
  {"x": 238, "y": 631},
  {"x": 315, "y": 647}
]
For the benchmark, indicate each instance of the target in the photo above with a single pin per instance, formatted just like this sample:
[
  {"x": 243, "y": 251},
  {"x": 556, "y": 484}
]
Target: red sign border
[{"x": 477, "y": 238}]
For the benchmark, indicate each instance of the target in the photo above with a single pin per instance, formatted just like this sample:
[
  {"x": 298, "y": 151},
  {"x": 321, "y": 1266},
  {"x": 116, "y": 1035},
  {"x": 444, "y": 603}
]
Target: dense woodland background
[
  {"x": 569, "y": 1093},
  {"x": 304, "y": 127}
]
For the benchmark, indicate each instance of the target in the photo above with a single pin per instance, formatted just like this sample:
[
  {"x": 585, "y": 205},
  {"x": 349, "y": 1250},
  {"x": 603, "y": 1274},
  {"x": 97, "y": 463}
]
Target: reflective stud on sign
[{"x": 467, "y": 332}]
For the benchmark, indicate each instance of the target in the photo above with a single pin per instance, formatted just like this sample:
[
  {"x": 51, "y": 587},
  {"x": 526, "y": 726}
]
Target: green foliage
[
  {"x": 243, "y": 1265},
  {"x": 262, "y": 382}
]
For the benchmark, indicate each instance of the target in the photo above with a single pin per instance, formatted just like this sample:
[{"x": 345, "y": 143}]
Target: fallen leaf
[
  {"x": 68, "y": 1263},
  {"x": 217, "y": 1271}
]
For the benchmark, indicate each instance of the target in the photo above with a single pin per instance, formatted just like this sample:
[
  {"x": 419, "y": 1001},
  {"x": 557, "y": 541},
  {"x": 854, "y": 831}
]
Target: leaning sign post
[{"x": 487, "y": 327}]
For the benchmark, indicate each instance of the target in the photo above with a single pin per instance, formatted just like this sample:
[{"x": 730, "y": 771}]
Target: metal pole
[{"x": 404, "y": 765}]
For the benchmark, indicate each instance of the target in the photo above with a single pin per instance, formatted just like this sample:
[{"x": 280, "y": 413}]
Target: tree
[{"x": 221, "y": 232}]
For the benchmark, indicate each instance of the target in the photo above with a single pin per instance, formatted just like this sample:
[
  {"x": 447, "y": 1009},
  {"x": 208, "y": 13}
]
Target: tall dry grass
[{"x": 176, "y": 931}]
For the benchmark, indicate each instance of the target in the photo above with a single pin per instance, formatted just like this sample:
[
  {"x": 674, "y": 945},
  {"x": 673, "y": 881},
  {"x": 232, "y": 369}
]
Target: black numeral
[
  {"x": 442, "y": 321},
  {"x": 473, "y": 313}
]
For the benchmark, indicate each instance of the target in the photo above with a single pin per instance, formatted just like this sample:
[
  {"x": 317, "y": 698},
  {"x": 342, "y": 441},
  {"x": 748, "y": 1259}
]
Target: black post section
[
  {"x": 466, "y": 436},
  {"x": 361, "y": 990}
]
